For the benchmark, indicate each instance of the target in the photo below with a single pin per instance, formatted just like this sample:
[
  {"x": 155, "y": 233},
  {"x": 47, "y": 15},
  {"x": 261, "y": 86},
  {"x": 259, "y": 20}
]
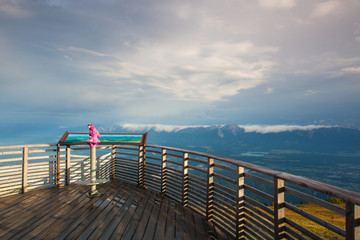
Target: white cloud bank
[
  {"x": 280, "y": 128},
  {"x": 157, "y": 127},
  {"x": 202, "y": 73},
  {"x": 351, "y": 70},
  {"x": 247, "y": 128}
]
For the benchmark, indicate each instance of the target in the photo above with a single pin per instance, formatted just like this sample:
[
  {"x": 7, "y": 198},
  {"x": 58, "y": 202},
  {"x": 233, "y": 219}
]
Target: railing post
[
  {"x": 141, "y": 167},
  {"x": 113, "y": 151},
  {"x": 240, "y": 202},
  {"x": 185, "y": 179},
  {"x": 163, "y": 168},
  {"x": 352, "y": 221},
  {"x": 210, "y": 189},
  {"x": 58, "y": 166},
  {"x": 25, "y": 168},
  {"x": 68, "y": 164},
  {"x": 279, "y": 208}
]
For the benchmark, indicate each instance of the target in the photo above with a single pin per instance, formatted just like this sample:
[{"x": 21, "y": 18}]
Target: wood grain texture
[{"x": 123, "y": 211}]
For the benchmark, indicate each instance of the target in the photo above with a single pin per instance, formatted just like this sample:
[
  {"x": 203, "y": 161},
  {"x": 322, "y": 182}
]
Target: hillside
[{"x": 234, "y": 139}]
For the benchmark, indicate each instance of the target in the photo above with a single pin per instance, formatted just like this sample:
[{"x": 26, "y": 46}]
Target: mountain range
[
  {"x": 218, "y": 139},
  {"x": 323, "y": 153},
  {"x": 232, "y": 138},
  {"x": 326, "y": 154}
]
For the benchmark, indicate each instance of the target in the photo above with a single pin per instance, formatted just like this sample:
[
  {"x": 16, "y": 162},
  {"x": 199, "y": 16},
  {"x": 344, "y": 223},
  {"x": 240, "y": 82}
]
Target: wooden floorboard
[
  {"x": 123, "y": 211},
  {"x": 150, "y": 228}
]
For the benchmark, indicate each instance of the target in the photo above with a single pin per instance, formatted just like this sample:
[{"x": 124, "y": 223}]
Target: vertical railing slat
[
  {"x": 185, "y": 179},
  {"x": 68, "y": 176},
  {"x": 352, "y": 221},
  {"x": 240, "y": 202},
  {"x": 58, "y": 166},
  {"x": 144, "y": 166},
  {"x": 279, "y": 208},
  {"x": 356, "y": 222},
  {"x": 112, "y": 169},
  {"x": 163, "y": 176},
  {"x": 210, "y": 189},
  {"x": 25, "y": 168},
  {"x": 141, "y": 167}
]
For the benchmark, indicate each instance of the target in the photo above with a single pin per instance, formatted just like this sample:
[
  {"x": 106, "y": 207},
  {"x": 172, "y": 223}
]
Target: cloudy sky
[{"x": 66, "y": 62}]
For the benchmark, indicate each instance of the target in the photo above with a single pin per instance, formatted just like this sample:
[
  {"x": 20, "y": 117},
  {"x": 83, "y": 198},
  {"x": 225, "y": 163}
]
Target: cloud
[
  {"x": 15, "y": 8},
  {"x": 326, "y": 8},
  {"x": 202, "y": 73},
  {"x": 309, "y": 92},
  {"x": 269, "y": 90},
  {"x": 328, "y": 64},
  {"x": 247, "y": 128},
  {"x": 277, "y": 4},
  {"x": 343, "y": 66},
  {"x": 279, "y": 128},
  {"x": 156, "y": 127},
  {"x": 83, "y": 50},
  {"x": 351, "y": 70},
  {"x": 178, "y": 61}
]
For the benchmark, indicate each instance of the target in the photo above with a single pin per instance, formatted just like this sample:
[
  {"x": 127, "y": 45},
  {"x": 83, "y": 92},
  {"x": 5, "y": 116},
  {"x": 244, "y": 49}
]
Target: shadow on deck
[{"x": 124, "y": 211}]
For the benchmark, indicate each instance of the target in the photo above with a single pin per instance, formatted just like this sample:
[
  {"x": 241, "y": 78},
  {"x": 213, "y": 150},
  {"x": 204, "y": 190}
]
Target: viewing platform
[
  {"x": 123, "y": 211},
  {"x": 159, "y": 192}
]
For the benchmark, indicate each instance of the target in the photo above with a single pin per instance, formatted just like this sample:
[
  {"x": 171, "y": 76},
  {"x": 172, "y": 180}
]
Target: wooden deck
[{"x": 123, "y": 211}]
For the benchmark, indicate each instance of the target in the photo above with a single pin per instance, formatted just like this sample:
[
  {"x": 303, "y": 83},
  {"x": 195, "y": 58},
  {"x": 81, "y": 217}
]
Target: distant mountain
[
  {"x": 232, "y": 138},
  {"x": 218, "y": 139}
]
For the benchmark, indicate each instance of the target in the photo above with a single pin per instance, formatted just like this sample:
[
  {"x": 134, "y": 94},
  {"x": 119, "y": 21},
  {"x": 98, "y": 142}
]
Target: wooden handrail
[
  {"x": 346, "y": 195},
  {"x": 27, "y": 145}
]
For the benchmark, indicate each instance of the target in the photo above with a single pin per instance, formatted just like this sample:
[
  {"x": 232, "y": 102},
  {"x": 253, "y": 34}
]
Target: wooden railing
[
  {"x": 242, "y": 199},
  {"x": 27, "y": 167}
]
